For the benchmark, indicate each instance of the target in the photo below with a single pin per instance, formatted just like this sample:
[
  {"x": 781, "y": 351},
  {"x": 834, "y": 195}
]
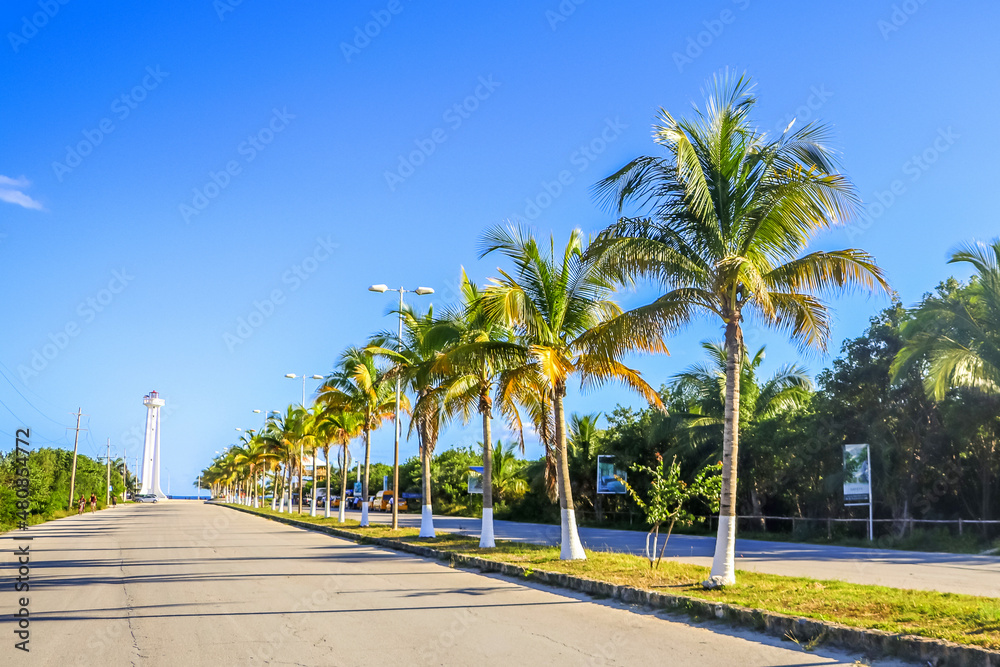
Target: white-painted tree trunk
[
  {"x": 342, "y": 513},
  {"x": 724, "y": 563},
  {"x": 486, "y": 540},
  {"x": 572, "y": 548},
  {"x": 426, "y": 521},
  {"x": 364, "y": 512}
]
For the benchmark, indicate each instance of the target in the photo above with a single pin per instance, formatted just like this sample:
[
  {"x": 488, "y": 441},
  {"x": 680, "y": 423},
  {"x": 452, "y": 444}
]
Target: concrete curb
[{"x": 874, "y": 643}]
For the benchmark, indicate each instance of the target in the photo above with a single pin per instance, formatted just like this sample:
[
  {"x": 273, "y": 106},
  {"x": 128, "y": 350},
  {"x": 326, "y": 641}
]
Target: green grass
[{"x": 963, "y": 619}]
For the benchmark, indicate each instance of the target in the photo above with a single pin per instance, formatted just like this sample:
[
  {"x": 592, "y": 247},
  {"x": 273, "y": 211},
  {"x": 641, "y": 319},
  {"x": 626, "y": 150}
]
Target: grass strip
[{"x": 963, "y": 619}]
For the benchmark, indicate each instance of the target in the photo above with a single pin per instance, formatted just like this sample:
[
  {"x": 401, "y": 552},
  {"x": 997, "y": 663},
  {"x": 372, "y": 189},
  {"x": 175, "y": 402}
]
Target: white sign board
[{"x": 857, "y": 474}]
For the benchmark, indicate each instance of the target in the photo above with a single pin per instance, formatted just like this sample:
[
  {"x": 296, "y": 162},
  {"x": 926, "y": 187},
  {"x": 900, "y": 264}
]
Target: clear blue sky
[{"x": 210, "y": 157}]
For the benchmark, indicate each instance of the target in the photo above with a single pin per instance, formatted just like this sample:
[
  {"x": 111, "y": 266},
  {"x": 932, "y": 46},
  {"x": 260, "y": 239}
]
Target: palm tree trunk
[
  {"x": 299, "y": 469},
  {"x": 571, "y": 547},
  {"x": 274, "y": 490},
  {"x": 426, "y": 511},
  {"x": 724, "y": 564},
  {"x": 486, "y": 540},
  {"x": 364, "y": 482},
  {"x": 312, "y": 510},
  {"x": 342, "y": 513},
  {"x": 326, "y": 503}
]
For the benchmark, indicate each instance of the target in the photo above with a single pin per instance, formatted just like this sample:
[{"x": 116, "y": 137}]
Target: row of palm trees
[{"x": 719, "y": 224}]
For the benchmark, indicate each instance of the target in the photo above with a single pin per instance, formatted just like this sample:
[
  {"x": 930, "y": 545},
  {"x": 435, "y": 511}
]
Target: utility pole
[
  {"x": 107, "y": 493},
  {"x": 125, "y": 473},
  {"x": 76, "y": 444}
]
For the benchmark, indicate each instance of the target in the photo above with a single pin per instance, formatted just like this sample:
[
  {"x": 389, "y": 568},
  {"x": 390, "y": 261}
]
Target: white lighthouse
[{"x": 151, "y": 448}]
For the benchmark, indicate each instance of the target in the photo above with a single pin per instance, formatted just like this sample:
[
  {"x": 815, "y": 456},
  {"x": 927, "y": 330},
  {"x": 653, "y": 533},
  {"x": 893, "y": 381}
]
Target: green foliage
[{"x": 49, "y": 481}]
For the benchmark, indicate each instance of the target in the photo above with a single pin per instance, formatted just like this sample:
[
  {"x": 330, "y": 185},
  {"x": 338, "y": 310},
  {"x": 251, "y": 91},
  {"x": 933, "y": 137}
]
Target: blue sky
[{"x": 168, "y": 171}]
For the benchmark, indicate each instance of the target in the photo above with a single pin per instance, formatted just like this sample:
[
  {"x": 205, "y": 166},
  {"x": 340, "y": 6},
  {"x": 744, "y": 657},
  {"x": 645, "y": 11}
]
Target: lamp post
[
  {"x": 292, "y": 376},
  {"x": 421, "y": 291}
]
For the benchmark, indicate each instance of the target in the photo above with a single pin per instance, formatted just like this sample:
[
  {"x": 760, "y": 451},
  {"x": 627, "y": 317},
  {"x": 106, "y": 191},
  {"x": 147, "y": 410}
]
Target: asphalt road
[
  {"x": 185, "y": 583},
  {"x": 949, "y": 573}
]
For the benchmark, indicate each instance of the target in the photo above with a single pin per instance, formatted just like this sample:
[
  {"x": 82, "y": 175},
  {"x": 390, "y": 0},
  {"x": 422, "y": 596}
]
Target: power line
[{"x": 14, "y": 386}]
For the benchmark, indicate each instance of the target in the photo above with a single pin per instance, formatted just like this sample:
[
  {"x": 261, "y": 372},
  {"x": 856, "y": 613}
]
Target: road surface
[
  {"x": 949, "y": 573},
  {"x": 185, "y": 583}
]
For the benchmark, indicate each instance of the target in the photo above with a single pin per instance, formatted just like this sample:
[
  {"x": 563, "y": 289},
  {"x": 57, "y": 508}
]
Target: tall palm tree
[
  {"x": 959, "y": 335},
  {"x": 288, "y": 436},
  {"x": 340, "y": 425},
  {"x": 559, "y": 307},
  {"x": 413, "y": 358},
  {"x": 360, "y": 385},
  {"x": 722, "y": 226},
  {"x": 482, "y": 349}
]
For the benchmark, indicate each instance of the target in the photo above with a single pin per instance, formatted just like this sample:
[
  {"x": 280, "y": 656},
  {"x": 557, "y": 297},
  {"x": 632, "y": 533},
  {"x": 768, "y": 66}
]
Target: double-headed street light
[
  {"x": 421, "y": 291},
  {"x": 292, "y": 376}
]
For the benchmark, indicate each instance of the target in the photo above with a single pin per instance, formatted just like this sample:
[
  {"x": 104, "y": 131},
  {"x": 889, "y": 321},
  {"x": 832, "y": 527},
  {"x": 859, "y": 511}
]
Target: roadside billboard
[{"x": 610, "y": 476}]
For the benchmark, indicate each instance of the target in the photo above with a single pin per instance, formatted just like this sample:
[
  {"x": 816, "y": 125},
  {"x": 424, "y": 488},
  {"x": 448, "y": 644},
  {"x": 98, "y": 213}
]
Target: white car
[{"x": 145, "y": 498}]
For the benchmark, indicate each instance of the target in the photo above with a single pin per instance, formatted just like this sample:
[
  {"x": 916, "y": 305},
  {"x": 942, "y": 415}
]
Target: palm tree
[
  {"x": 359, "y": 385},
  {"x": 959, "y": 334},
  {"x": 413, "y": 358},
  {"x": 288, "y": 436},
  {"x": 340, "y": 425},
  {"x": 507, "y": 471},
  {"x": 558, "y": 306},
  {"x": 483, "y": 347},
  {"x": 723, "y": 223}
]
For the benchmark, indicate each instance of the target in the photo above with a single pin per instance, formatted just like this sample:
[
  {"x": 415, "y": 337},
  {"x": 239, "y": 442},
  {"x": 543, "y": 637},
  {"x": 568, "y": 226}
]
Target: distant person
[
  {"x": 114, "y": 501},
  {"x": 93, "y": 503},
  {"x": 82, "y": 504}
]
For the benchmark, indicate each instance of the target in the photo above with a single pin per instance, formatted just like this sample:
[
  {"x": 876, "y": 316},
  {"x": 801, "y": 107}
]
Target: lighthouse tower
[{"x": 151, "y": 448}]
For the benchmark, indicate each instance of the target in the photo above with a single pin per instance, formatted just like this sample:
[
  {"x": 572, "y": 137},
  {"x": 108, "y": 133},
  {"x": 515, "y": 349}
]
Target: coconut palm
[
  {"x": 413, "y": 358},
  {"x": 482, "y": 348},
  {"x": 360, "y": 385},
  {"x": 959, "y": 334},
  {"x": 559, "y": 307},
  {"x": 722, "y": 225},
  {"x": 508, "y": 472},
  {"x": 288, "y": 436},
  {"x": 340, "y": 425}
]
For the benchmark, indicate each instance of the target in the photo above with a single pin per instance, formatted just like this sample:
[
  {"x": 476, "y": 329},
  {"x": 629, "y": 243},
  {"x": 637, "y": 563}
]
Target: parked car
[
  {"x": 382, "y": 502},
  {"x": 305, "y": 501},
  {"x": 145, "y": 498}
]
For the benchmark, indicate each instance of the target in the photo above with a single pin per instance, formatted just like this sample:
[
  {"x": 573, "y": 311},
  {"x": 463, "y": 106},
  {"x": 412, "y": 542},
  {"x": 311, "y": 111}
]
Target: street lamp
[
  {"x": 421, "y": 291},
  {"x": 292, "y": 376}
]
